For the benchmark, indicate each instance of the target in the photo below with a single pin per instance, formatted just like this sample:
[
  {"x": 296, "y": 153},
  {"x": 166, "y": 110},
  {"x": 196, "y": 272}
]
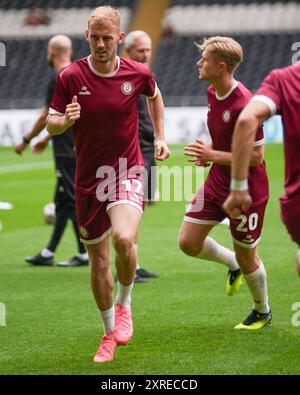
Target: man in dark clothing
[
  {"x": 59, "y": 57},
  {"x": 138, "y": 46}
]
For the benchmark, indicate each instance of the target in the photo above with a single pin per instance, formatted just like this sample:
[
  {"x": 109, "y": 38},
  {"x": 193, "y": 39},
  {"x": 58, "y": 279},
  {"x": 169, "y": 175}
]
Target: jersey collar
[
  {"x": 107, "y": 75},
  {"x": 235, "y": 84}
]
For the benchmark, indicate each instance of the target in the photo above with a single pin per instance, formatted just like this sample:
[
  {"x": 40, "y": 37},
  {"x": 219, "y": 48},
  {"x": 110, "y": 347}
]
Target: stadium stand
[
  {"x": 71, "y": 21},
  {"x": 23, "y": 82},
  {"x": 222, "y": 2},
  {"x": 177, "y": 75},
  {"x": 238, "y": 18},
  {"x": 26, "y": 4},
  {"x": 24, "y": 79},
  {"x": 266, "y": 31}
]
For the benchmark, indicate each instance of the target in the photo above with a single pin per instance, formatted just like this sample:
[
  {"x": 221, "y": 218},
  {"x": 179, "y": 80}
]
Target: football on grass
[{"x": 49, "y": 213}]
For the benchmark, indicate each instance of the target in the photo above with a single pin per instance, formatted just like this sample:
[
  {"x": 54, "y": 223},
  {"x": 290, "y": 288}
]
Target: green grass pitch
[{"x": 183, "y": 320}]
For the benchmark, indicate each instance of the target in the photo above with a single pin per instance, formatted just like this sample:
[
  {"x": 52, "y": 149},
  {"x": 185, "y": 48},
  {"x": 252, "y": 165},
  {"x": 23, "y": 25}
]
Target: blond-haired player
[
  {"x": 226, "y": 99},
  {"x": 98, "y": 95}
]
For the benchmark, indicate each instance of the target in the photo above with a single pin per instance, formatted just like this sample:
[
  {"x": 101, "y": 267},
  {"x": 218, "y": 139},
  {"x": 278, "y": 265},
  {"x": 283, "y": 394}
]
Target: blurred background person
[
  {"x": 59, "y": 57},
  {"x": 32, "y": 18},
  {"x": 138, "y": 45}
]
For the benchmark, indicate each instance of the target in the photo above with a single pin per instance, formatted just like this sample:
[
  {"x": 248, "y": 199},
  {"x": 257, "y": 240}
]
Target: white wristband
[{"x": 236, "y": 185}]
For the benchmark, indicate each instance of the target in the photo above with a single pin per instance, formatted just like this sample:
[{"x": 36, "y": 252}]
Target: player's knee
[
  {"x": 123, "y": 242},
  {"x": 188, "y": 246}
]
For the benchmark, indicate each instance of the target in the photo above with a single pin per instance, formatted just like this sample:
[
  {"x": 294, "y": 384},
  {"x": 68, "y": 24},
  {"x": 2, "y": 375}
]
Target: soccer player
[
  {"x": 138, "y": 45},
  {"x": 278, "y": 94},
  {"x": 98, "y": 96},
  {"x": 59, "y": 57},
  {"x": 226, "y": 99}
]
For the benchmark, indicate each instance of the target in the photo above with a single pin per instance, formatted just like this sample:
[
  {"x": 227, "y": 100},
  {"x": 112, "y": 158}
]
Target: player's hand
[
  {"x": 237, "y": 202},
  {"x": 72, "y": 112},
  {"x": 40, "y": 146},
  {"x": 199, "y": 152},
  {"x": 19, "y": 148},
  {"x": 162, "y": 151}
]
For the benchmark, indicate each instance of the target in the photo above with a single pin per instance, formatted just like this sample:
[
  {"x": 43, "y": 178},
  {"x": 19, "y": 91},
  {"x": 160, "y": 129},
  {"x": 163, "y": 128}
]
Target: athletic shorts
[
  {"x": 245, "y": 230},
  {"x": 290, "y": 215},
  {"x": 93, "y": 220}
]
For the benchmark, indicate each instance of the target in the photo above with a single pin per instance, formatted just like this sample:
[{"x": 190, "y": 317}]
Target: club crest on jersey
[
  {"x": 84, "y": 233},
  {"x": 226, "y": 116},
  {"x": 127, "y": 88}
]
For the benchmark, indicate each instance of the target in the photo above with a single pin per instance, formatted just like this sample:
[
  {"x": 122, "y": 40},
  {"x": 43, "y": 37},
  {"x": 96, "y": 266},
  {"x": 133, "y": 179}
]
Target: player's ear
[
  {"x": 121, "y": 37},
  {"x": 222, "y": 67},
  {"x": 87, "y": 35}
]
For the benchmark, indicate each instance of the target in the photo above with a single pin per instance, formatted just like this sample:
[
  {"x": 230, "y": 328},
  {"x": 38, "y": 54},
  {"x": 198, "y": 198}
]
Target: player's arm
[
  {"x": 200, "y": 152},
  {"x": 38, "y": 126},
  {"x": 251, "y": 118},
  {"x": 156, "y": 112},
  {"x": 59, "y": 123},
  {"x": 39, "y": 147}
]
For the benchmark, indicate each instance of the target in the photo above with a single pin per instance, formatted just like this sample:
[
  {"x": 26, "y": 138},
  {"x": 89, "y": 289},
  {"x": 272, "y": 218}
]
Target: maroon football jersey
[
  {"x": 281, "y": 92},
  {"x": 107, "y": 129},
  {"x": 222, "y": 115}
]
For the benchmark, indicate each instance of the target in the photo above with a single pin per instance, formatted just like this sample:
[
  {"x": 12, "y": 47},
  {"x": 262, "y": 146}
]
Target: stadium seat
[
  {"x": 24, "y": 80},
  {"x": 212, "y": 2},
  {"x": 233, "y": 18},
  {"x": 177, "y": 75},
  {"x": 25, "y": 4}
]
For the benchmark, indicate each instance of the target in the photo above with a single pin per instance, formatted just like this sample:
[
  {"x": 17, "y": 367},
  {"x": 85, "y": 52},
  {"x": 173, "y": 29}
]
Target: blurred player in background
[
  {"x": 138, "y": 45},
  {"x": 59, "y": 57},
  {"x": 98, "y": 96},
  {"x": 226, "y": 99},
  {"x": 278, "y": 94}
]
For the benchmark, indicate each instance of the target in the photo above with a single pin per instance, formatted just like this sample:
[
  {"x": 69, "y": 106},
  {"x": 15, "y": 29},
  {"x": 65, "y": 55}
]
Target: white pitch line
[{"x": 25, "y": 167}]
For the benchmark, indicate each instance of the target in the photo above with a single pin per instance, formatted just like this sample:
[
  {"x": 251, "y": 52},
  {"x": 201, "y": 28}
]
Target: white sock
[
  {"x": 83, "y": 257},
  {"x": 257, "y": 283},
  {"x": 47, "y": 253},
  {"x": 135, "y": 246},
  {"x": 213, "y": 251},
  {"x": 124, "y": 294},
  {"x": 108, "y": 319}
]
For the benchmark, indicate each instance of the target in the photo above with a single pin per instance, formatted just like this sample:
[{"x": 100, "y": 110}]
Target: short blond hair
[
  {"x": 106, "y": 14},
  {"x": 224, "y": 48}
]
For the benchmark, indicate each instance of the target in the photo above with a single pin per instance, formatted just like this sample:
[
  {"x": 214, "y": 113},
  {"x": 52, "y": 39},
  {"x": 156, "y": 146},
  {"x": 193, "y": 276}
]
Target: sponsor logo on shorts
[
  {"x": 226, "y": 116},
  {"x": 127, "y": 88},
  {"x": 84, "y": 233},
  {"x": 249, "y": 240}
]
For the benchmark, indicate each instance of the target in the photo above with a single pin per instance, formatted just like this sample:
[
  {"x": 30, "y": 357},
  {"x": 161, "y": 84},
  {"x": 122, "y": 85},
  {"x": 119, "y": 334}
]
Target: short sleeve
[
  {"x": 259, "y": 138},
  {"x": 60, "y": 98},
  {"x": 269, "y": 93},
  {"x": 150, "y": 87}
]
